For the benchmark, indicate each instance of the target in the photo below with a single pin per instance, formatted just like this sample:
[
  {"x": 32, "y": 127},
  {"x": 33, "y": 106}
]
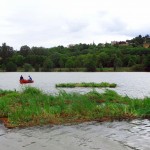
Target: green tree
[
  {"x": 137, "y": 41},
  {"x": 10, "y": 67},
  {"x": 31, "y": 59},
  {"x": 103, "y": 58},
  {"x": 101, "y": 67},
  {"x": 61, "y": 63},
  {"x": 40, "y": 51},
  {"x": 18, "y": 60},
  {"x": 25, "y": 50},
  {"x": 69, "y": 64},
  {"x": 37, "y": 67},
  {"x": 147, "y": 63},
  {"x": 27, "y": 67},
  {"x": 125, "y": 60},
  {"x": 3, "y": 66},
  {"x": 116, "y": 62},
  {"x": 5, "y": 52},
  {"x": 90, "y": 63},
  {"x": 131, "y": 62},
  {"x": 55, "y": 57},
  {"x": 47, "y": 65}
]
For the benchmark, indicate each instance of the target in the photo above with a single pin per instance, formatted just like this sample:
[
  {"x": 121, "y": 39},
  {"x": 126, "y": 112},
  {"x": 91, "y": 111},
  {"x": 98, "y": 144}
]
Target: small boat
[{"x": 24, "y": 81}]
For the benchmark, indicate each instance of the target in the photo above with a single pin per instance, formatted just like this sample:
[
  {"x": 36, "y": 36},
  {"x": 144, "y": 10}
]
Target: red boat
[{"x": 24, "y": 81}]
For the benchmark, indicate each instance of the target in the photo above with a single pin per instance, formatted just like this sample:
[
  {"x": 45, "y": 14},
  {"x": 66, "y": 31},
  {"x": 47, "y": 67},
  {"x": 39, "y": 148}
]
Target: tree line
[{"x": 84, "y": 57}]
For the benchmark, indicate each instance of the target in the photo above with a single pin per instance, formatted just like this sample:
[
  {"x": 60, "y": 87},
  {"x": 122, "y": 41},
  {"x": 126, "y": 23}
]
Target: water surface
[{"x": 129, "y": 83}]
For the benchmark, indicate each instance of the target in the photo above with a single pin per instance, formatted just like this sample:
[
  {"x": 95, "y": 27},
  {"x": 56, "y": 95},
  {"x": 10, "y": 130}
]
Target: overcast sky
[{"x": 50, "y": 23}]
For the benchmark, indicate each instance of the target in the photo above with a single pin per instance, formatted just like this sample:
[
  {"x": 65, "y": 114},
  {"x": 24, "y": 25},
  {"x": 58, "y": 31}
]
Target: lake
[{"x": 133, "y": 84}]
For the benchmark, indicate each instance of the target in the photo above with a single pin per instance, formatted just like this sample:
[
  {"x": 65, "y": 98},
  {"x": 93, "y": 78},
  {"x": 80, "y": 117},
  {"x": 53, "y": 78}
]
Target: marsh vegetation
[
  {"x": 33, "y": 107},
  {"x": 84, "y": 84}
]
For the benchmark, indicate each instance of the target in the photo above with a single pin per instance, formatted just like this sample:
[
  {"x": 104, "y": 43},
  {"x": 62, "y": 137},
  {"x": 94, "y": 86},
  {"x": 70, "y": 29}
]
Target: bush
[{"x": 138, "y": 67}]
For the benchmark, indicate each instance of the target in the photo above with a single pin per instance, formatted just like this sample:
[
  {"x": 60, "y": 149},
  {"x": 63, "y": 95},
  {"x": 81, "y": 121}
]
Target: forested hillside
[{"x": 79, "y": 57}]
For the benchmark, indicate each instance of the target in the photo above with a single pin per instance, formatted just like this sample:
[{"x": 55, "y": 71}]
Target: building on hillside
[
  {"x": 122, "y": 43},
  {"x": 113, "y": 42}
]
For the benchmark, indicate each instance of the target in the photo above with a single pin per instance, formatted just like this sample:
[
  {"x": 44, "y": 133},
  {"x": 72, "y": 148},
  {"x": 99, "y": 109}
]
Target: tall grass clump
[
  {"x": 34, "y": 107},
  {"x": 6, "y": 99},
  {"x": 32, "y": 91},
  {"x": 142, "y": 107},
  {"x": 4, "y": 92}
]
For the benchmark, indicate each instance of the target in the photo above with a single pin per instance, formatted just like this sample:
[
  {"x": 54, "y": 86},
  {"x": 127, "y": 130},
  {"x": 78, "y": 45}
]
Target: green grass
[
  {"x": 83, "y": 84},
  {"x": 33, "y": 107}
]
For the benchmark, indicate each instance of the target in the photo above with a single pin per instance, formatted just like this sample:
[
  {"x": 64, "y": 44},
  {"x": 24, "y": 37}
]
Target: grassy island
[
  {"x": 83, "y": 84},
  {"x": 33, "y": 107}
]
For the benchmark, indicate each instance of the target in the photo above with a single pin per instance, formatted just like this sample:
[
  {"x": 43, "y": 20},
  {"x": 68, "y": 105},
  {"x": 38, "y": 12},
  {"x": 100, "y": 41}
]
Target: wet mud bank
[{"x": 133, "y": 135}]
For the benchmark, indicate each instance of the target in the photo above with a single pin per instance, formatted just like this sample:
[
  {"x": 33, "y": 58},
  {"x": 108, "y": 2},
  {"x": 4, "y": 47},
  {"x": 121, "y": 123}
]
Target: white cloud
[{"x": 61, "y": 22}]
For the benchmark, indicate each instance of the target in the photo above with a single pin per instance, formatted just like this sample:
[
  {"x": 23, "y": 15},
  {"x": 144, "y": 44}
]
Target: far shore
[{"x": 111, "y": 69}]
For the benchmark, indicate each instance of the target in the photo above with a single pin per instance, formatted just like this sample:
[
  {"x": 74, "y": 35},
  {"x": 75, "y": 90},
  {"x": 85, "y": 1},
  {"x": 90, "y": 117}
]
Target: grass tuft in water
[{"x": 83, "y": 84}]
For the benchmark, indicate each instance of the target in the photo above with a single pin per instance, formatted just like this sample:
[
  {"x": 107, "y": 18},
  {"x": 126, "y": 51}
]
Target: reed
[{"x": 34, "y": 107}]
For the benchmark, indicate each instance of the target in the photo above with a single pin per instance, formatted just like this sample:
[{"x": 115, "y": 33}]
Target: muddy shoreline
[{"x": 133, "y": 135}]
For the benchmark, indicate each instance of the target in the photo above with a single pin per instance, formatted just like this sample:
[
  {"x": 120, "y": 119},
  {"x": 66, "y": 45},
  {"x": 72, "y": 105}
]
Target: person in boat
[
  {"x": 30, "y": 78},
  {"x": 21, "y": 77}
]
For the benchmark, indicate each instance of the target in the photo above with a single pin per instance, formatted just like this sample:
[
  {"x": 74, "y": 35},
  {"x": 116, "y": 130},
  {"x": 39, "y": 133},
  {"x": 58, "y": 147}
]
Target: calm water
[{"x": 129, "y": 83}]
